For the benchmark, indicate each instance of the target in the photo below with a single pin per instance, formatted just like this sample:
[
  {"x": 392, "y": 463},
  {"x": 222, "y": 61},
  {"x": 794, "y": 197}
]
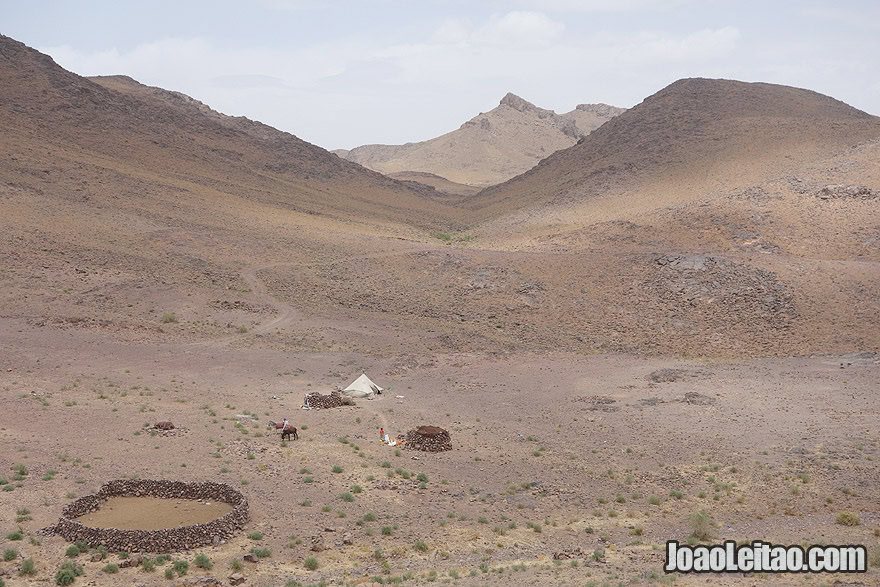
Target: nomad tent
[{"x": 362, "y": 387}]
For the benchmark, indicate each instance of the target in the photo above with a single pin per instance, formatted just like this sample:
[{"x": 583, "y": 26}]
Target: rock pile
[
  {"x": 316, "y": 401},
  {"x": 428, "y": 438},
  {"x": 166, "y": 540},
  {"x": 164, "y": 425},
  {"x": 859, "y": 192}
]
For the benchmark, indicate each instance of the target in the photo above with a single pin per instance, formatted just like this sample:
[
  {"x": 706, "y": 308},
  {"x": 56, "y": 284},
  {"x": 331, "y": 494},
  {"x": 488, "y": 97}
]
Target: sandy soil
[
  {"x": 152, "y": 513},
  {"x": 593, "y": 451}
]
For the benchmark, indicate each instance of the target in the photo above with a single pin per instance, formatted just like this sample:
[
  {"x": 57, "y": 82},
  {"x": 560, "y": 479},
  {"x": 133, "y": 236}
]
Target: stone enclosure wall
[{"x": 167, "y": 540}]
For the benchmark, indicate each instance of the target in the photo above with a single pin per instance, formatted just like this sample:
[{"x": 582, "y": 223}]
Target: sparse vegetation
[{"x": 848, "y": 519}]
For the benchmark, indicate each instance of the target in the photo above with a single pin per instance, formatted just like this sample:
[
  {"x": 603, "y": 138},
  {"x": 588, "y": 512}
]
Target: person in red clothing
[{"x": 381, "y": 433}]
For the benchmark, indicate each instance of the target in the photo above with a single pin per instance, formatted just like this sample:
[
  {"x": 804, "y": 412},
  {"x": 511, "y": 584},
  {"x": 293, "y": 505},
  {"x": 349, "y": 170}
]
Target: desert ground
[
  {"x": 604, "y": 456},
  {"x": 668, "y": 330}
]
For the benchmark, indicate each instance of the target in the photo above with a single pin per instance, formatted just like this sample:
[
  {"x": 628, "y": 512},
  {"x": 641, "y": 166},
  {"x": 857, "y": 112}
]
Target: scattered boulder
[
  {"x": 857, "y": 192},
  {"x": 251, "y": 558},
  {"x": 697, "y": 399},
  {"x": 318, "y": 543},
  {"x": 236, "y": 579},
  {"x": 568, "y": 553},
  {"x": 164, "y": 425}
]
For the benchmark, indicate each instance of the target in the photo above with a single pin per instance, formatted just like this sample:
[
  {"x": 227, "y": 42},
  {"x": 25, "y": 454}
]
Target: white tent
[{"x": 362, "y": 387}]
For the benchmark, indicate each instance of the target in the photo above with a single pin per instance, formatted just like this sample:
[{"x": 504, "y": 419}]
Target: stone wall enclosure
[{"x": 166, "y": 540}]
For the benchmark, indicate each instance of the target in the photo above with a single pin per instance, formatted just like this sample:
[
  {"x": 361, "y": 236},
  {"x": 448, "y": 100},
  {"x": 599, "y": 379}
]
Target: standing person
[{"x": 381, "y": 434}]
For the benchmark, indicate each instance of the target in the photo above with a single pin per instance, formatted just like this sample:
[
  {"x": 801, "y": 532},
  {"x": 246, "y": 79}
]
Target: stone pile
[
  {"x": 858, "y": 192},
  {"x": 164, "y": 425},
  {"x": 166, "y": 540},
  {"x": 428, "y": 438},
  {"x": 316, "y": 401}
]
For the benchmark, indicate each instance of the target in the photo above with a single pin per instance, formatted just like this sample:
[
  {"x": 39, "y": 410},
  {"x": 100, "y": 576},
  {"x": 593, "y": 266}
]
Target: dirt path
[{"x": 285, "y": 313}]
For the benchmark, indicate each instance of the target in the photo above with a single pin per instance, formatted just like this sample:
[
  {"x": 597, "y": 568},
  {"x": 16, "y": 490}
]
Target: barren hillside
[
  {"x": 694, "y": 137},
  {"x": 492, "y": 146},
  {"x": 123, "y": 203}
]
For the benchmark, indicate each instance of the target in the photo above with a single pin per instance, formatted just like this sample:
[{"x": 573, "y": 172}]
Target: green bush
[
  {"x": 387, "y": 530},
  {"x": 67, "y": 573},
  {"x": 255, "y": 535},
  {"x": 111, "y": 568},
  {"x": 701, "y": 525},
  {"x": 10, "y": 554},
  {"x": 169, "y": 573},
  {"x": 202, "y": 561},
  {"x": 261, "y": 552},
  {"x": 347, "y": 497},
  {"x": 336, "y": 469},
  {"x": 148, "y": 565},
  {"x": 72, "y": 551},
  {"x": 180, "y": 567},
  {"x": 311, "y": 563},
  {"x": 420, "y": 546},
  {"x": 17, "y": 535},
  {"x": 235, "y": 565}
]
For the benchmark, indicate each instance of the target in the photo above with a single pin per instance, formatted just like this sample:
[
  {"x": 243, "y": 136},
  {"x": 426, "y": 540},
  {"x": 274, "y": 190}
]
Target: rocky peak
[{"x": 517, "y": 103}]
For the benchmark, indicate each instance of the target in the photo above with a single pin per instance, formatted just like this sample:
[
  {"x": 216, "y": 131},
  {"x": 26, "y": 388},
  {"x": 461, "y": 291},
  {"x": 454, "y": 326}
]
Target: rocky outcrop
[{"x": 167, "y": 540}]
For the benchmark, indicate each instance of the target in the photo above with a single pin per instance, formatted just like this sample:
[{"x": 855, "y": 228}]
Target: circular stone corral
[{"x": 166, "y": 540}]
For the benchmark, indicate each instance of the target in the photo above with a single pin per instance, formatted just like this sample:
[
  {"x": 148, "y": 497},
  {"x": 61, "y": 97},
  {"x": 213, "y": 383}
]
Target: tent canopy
[{"x": 362, "y": 387}]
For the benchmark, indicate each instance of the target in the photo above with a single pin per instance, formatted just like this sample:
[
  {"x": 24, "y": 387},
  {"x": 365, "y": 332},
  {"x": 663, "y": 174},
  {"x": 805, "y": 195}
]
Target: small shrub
[
  {"x": 336, "y": 469},
  {"x": 10, "y": 554},
  {"x": 701, "y": 525},
  {"x": 420, "y": 546},
  {"x": 169, "y": 318},
  {"x": 28, "y": 567},
  {"x": 261, "y": 552},
  {"x": 67, "y": 573},
  {"x": 848, "y": 519},
  {"x": 72, "y": 551},
  {"x": 17, "y": 535},
  {"x": 255, "y": 535},
  {"x": 235, "y": 565},
  {"x": 111, "y": 568},
  {"x": 148, "y": 565},
  {"x": 180, "y": 567},
  {"x": 202, "y": 561},
  {"x": 370, "y": 517},
  {"x": 387, "y": 530},
  {"x": 356, "y": 489},
  {"x": 347, "y": 497},
  {"x": 169, "y": 573},
  {"x": 311, "y": 563}
]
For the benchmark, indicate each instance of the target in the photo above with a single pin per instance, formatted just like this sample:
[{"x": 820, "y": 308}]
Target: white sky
[{"x": 341, "y": 74}]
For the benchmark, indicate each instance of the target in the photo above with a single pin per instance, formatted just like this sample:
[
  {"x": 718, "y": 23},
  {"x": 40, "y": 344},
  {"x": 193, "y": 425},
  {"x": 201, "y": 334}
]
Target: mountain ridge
[{"x": 490, "y": 147}]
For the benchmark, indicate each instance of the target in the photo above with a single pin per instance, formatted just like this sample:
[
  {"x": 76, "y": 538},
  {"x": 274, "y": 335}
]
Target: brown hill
[
  {"x": 182, "y": 140},
  {"x": 492, "y": 146},
  {"x": 137, "y": 214},
  {"x": 693, "y": 137}
]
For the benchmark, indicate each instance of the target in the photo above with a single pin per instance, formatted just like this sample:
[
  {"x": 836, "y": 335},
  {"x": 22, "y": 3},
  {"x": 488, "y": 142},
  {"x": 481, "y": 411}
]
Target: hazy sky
[{"x": 340, "y": 74}]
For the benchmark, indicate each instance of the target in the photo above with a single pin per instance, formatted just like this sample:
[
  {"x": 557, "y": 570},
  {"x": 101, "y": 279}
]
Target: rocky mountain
[{"x": 492, "y": 146}]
